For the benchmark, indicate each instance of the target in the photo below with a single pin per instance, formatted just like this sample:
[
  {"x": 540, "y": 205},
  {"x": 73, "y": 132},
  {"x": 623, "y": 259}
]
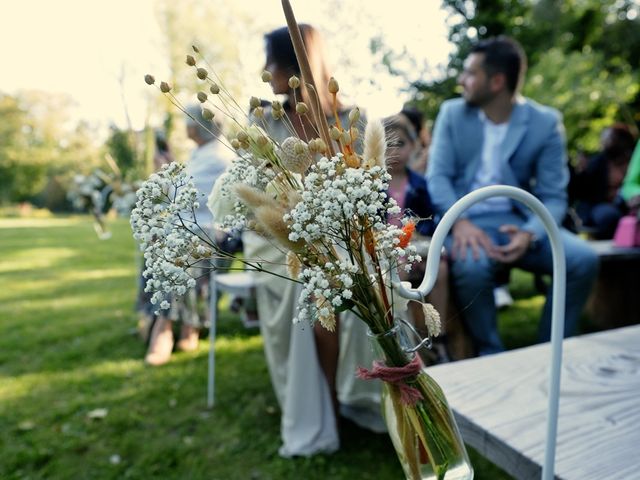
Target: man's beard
[{"x": 479, "y": 100}]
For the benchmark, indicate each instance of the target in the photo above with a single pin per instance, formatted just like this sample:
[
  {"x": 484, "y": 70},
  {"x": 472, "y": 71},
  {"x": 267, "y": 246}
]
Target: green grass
[{"x": 67, "y": 348}]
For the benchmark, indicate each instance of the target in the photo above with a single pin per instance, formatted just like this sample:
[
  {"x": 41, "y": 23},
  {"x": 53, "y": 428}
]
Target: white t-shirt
[
  {"x": 490, "y": 171},
  {"x": 206, "y": 164}
]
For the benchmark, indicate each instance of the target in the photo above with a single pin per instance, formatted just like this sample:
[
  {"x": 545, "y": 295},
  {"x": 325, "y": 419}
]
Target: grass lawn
[{"x": 76, "y": 400}]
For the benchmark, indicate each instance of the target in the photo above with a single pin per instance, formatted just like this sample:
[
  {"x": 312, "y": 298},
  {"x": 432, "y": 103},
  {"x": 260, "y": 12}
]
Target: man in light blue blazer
[{"x": 493, "y": 136}]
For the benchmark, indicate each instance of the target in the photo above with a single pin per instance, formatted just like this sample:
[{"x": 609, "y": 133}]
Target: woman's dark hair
[
  {"x": 415, "y": 116},
  {"x": 400, "y": 123},
  {"x": 279, "y": 51},
  {"x": 503, "y": 55}
]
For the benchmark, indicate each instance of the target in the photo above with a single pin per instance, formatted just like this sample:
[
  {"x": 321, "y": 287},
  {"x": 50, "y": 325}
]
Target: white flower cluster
[
  {"x": 338, "y": 205},
  {"x": 86, "y": 191},
  {"x": 326, "y": 288},
  {"x": 93, "y": 192},
  {"x": 163, "y": 222},
  {"x": 223, "y": 201},
  {"x": 332, "y": 198}
]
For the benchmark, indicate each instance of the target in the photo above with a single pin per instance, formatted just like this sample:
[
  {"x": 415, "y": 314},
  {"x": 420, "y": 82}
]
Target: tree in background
[
  {"x": 127, "y": 148},
  {"x": 218, "y": 28},
  {"x": 39, "y": 145},
  {"x": 582, "y": 58}
]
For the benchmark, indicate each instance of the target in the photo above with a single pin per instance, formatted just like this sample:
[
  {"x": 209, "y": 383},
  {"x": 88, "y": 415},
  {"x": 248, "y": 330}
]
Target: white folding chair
[{"x": 238, "y": 284}]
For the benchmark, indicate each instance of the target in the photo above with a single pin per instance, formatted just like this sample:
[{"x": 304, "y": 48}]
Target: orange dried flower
[{"x": 407, "y": 232}]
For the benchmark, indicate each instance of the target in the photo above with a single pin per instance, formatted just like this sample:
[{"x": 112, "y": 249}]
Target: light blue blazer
[{"x": 533, "y": 157}]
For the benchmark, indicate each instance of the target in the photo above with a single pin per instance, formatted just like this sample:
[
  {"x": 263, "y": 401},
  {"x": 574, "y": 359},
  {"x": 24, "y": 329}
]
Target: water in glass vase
[{"x": 420, "y": 423}]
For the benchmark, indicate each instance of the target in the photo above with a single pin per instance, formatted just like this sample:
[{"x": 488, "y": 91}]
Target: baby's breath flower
[
  {"x": 165, "y": 87},
  {"x": 266, "y": 76},
  {"x": 214, "y": 88},
  {"x": 191, "y": 61},
  {"x": 202, "y": 97},
  {"x": 149, "y": 79},
  {"x": 167, "y": 199},
  {"x": 258, "y": 112},
  {"x": 301, "y": 108}
]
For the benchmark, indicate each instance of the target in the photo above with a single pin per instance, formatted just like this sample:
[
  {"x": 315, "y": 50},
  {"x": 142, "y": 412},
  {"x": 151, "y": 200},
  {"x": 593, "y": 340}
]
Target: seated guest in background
[
  {"x": 418, "y": 163},
  {"x": 492, "y": 136},
  {"x": 410, "y": 191},
  {"x": 596, "y": 182},
  {"x": 420, "y": 158},
  {"x": 207, "y": 162}
]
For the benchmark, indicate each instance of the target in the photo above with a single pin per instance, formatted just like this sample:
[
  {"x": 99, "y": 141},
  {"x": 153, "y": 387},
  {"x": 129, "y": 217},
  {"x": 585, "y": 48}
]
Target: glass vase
[{"x": 423, "y": 431}]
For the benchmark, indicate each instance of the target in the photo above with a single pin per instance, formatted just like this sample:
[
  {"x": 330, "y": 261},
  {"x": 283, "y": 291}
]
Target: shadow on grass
[{"x": 158, "y": 416}]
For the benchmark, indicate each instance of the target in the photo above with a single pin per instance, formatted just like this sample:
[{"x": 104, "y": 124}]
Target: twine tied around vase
[{"x": 396, "y": 376}]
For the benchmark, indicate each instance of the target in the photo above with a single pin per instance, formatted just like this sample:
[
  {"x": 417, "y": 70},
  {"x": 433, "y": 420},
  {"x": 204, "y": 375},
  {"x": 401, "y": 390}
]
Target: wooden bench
[
  {"x": 615, "y": 299},
  {"x": 500, "y": 403}
]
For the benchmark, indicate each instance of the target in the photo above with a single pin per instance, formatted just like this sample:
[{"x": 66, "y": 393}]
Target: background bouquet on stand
[{"x": 99, "y": 191}]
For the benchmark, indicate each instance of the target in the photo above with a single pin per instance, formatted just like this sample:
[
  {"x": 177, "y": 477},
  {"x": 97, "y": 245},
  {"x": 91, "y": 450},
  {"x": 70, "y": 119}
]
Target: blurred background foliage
[{"x": 583, "y": 60}]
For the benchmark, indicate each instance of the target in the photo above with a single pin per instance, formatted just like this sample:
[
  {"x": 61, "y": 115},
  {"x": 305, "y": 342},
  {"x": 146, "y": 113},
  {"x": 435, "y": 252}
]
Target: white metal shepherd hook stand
[{"x": 559, "y": 287}]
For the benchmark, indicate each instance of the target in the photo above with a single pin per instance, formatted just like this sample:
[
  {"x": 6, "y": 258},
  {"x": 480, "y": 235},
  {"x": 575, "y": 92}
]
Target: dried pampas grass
[{"x": 375, "y": 145}]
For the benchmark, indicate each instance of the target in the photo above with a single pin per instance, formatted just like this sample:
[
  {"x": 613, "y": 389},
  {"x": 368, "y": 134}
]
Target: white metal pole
[
  {"x": 559, "y": 288},
  {"x": 213, "y": 320}
]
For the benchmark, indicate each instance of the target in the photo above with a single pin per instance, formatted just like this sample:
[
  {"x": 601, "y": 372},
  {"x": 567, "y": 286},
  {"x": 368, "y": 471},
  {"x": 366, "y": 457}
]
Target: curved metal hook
[
  {"x": 559, "y": 287},
  {"x": 424, "y": 342}
]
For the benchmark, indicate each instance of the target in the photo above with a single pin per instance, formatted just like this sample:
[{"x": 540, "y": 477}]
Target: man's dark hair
[{"x": 503, "y": 55}]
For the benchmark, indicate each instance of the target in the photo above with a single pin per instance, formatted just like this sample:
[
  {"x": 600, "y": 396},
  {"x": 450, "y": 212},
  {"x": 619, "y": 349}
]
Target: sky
[{"x": 97, "y": 51}]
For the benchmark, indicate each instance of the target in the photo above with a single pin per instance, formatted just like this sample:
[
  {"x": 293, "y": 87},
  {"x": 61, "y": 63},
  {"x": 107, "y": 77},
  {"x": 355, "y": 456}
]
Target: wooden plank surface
[
  {"x": 615, "y": 300},
  {"x": 500, "y": 402},
  {"x": 607, "y": 250}
]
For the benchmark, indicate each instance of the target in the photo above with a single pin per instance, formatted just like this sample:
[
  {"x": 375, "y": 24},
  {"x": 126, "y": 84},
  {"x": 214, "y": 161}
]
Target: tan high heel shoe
[
  {"x": 188, "y": 338},
  {"x": 161, "y": 343}
]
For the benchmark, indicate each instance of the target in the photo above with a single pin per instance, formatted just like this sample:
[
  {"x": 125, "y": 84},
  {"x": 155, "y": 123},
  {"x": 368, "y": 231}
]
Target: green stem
[{"x": 430, "y": 416}]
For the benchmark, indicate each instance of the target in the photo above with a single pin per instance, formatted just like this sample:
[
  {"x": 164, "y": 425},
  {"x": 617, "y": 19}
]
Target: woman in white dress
[{"x": 312, "y": 370}]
